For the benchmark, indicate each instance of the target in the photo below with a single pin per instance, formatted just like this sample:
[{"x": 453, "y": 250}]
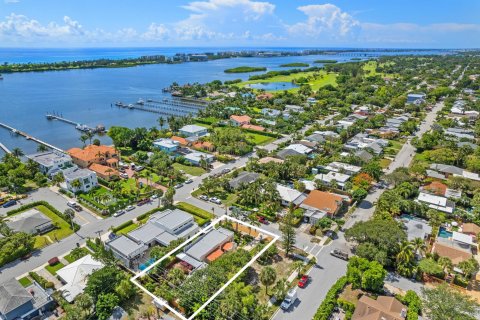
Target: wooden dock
[
  {"x": 168, "y": 106},
  {"x": 78, "y": 126},
  {"x": 29, "y": 137},
  {"x": 4, "y": 148}
]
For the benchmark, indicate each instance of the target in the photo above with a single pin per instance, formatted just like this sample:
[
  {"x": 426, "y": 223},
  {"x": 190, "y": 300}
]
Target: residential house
[
  {"x": 193, "y": 130},
  {"x": 31, "y": 221},
  {"x": 104, "y": 172},
  {"x": 350, "y": 120},
  {"x": 87, "y": 178},
  {"x": 51, "y": 162},
  {"x": 164, "y": 227},
  {"x": 321, "y": 136},
  {"x": 416, "y": 98},
  {"x": 264, "y": 96},
  {"x": 443, "y": 171},
  {"x": 382, "y": 308},
  {"x": 342, "y": 167},
  {"x": 197, "y": 157},
  {"x": 104, "y": 155},
  {"x": 440, "y": 189},
  {"x": 17, "y": 302},
  {"x": 271, "y": 112},
  {"x": 290, "y": 196},
  {"x": 471, "y": 229},
  {"x": 270, "y": 159},
  {"x": 285, "y": 153},
  {"x": 127, "y": 251},
  {"x": 75, "y": 275},
  {"x": 300, "y": 148},
  {"x": 239, "y": 121},
  {"x": 451, "y": 251},
  {"x": 204, "y": 145},
  {"x": 289, "y": 108},
  {"x": 181, "y": 141},
  {"x": 339, "y": 178},
  {"x": 243, "y": 178},
  {"x": 436, "y": 202},
  {"x": 364, "y": 155},
  {"x": 209, "y": 247},
  {"x": 363, "y": 141},
  {"x": 253, "y": 127},
  {"x": 166, "y": 145},
  {"x": 460, "y": 133},
  {"x": 319, "y": 204}
]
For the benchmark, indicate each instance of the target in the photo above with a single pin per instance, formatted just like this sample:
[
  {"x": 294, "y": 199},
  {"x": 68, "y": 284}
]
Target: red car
[
  {"x": 302, "y": 283},
  {"x": 262, "y": 220}
]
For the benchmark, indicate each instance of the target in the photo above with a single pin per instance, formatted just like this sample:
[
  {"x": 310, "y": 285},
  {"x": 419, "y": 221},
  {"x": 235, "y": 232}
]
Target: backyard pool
[
  {"x": 443, "y": 233},
  {"x": 146, "y": 264}
]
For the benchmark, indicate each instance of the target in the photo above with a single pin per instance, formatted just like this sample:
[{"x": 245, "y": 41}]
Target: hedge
[
  {"x": 148, "y": 213},
  {"x": 194, "y": 210},
  {"x": 92, "y": 245},
  {"x": 262, "y": 133},
  {"x": 44, "y": 283},
  {"x": 330, "y": 301},
  {"x": 68, "y": 219},
  {"x": 123, "y": 225}
]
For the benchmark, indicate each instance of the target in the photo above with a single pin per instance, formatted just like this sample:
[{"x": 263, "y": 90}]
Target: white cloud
[
  {"x": 11, "y": 1},
  {"x": 325, "y": 21},
  {"x": 250, "y": 9},
  {"x": 24, "y": 28},
  {"x": 156, "y": 32}
]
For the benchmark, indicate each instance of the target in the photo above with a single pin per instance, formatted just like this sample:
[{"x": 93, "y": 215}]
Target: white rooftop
[
  {"x": 463, "y": 238},
  {"x": 192, "y": 128},
  {"x": 198, "y": 156},
  {"x": 300, "y": 148},
  {"x": 166, "y": 143},
  {"x": 337, "y": 166},
  {"x": 288, "y": 194}
]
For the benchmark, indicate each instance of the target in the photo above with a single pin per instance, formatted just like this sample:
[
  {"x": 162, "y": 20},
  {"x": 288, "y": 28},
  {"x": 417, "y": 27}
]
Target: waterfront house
[
  {"x": 197, "y": 157},
  {"x": 181, "y": 141},
  {"x": 103, "y": 155},
  {"x": 87, "y": 178},
  {"x": 75, "y": 275},
  {"x": 193, "y": 130},
  {"x": 168, "y": 146},
  {"x": 238, "y": 121},
  {"x": 104, "y": 172},
  {"x": 17, "y": 302},
  {"x": 51, "y": 162},
  {"x": 31, "y": 221}
]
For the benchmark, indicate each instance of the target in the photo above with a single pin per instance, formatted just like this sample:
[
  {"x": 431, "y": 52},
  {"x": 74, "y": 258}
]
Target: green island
[
  {"x": 295, "y": 64},
  {"x": 244, "y": 69},
  {"x": 325, "y": 61}
]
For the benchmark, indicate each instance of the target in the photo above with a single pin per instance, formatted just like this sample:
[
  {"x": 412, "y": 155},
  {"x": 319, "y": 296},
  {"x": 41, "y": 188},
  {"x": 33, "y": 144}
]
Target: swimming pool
[
  {"x": 147, "y": 263},
  {"x": 443, "y": 233}
]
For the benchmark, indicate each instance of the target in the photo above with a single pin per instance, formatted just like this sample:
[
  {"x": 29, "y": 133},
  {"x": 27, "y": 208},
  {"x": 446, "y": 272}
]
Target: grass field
[
  {"x": 25, "y": 281},
  {"x": 127, "y": 229},
  {"x": 71, "y": 259},
  {"x": 53, "y": 269},
  {"x": 258, "y": 139},
  {"x": 316, "y": 79},
  {"x": 370, "y": 70},
  {"x": 384, "y": 163},
  {"x": 63, "y": 229},
  {"x": 191, "y": 170}
]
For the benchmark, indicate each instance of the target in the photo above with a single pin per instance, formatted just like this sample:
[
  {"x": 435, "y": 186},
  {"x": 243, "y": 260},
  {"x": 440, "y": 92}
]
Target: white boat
[
  {"x": 130, "y": 106},
  {"x": 140, "y": 102}
]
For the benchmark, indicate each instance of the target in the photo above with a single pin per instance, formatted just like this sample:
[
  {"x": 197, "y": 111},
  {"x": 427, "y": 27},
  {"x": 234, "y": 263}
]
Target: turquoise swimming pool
[
  {"x": 443, "y": 233},
  {"x": 147, "y": 263}
]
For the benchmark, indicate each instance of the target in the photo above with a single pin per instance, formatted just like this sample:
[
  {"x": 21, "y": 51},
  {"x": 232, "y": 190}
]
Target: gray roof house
[
  {"x": 51, "y": 162},
  {"x": 213, "y": 240},
  {"x": 128, "y": 251},
  {"x": 285, "y": 153},
  {"x": 364, "y": 155},
  {"x": 31, "y": 221},
  {"x": 17, "y": 302},
  {"x": 243, "y": 178},
  {"x": 445, "y": 168}
]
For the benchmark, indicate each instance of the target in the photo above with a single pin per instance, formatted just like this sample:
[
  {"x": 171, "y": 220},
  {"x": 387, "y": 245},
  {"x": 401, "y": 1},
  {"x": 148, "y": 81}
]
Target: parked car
[
  {"x": 129, "y": 208},
  {"x": 289, "y": 299},
  {"x": 139, "y": 168},
  {"x": 72, "y": 204},
  {"x": 339, "y": 254},
  {"x": 77, "y": 208},
  {"x": 143, "y": 201},
  {"x": 155, "y": 196},
  {"x": 178, "y": 186},
  {"x": 27, "y": 256},
  {"x": 203, "y": 197},
  {"x": 262, "y": 220},
  {"x": 215, "y": 200},
  {"x": 119, "y": 213},
  {"x": 9, "y": 203},
  {"x": 124, "y": 175},
  {"x": 302, "y": 283},
  {"x": 189, "y": 181},
  {"x": 226, "y": 170}
]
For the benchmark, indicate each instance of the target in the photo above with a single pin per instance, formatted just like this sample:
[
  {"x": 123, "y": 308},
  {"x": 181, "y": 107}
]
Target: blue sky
[{"x": 340, "y": 23}]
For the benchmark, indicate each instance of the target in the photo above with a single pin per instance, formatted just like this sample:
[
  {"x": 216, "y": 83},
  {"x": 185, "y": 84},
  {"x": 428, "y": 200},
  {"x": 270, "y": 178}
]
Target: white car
[
  {"x": 118, "y": 213},
  {"x": 124, "y": 175},
  {"x": 129, "y": 208},
  {"x": 155, "y": 196}
]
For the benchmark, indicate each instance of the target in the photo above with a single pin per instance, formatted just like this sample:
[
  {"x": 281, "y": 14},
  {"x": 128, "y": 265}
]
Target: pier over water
[{"x": 29, "y": 137}]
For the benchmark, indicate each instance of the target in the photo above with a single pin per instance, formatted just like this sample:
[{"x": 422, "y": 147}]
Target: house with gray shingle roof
[{"x": 31, "y": 221}]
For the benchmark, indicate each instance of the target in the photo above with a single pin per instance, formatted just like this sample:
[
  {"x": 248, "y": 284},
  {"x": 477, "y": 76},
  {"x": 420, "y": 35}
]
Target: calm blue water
[
  {"x": 443, "y": 233},
  {"x": 273, "y": 86},
  {"x": 86, "y": 96}
]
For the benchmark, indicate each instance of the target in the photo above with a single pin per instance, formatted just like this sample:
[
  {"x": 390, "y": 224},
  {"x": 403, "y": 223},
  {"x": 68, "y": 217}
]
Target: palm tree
[
  {"x": 17, "y": 152},
  {"x": 268, "y": 277},
  {"x": 161, "y": 122},
  {"x": 85, "y": 303},
  {"x": 84, "y": 139},
  {"x": 405, "y": 253},
  {"x": 298, "y": 266},
  {"x": 252, "y": 220},
  {"x": 58, "y": 178},
  {"x": 76, "y": 184},
  {"x": 90, "y": 135},
  {"x": 42, "y": 148},
  {"x": 419, "y": 246},
  {"x": 446, "y": 264},
  {"x": 469, "y": 267}
]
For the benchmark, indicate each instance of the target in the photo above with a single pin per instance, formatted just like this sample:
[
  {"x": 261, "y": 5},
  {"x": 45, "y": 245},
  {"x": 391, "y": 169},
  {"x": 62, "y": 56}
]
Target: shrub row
[
  {"x": 262, "y": 133},
  {"x": 44, "y": 283},
  {"x": 194, "y": 210},
  {"x": 148, "y": 213},
  {"x": 66, "y": 192},
  {"x": 68, "y": 219},
  {"x": 92, "y": 245},
  {"x": 330, "y": 301},
  {"x": 123, "y": 225}
]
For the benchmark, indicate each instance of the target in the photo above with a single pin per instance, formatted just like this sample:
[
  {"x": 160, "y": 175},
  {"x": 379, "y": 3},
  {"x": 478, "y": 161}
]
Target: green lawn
[
  {"x": 191, "y": 170},
  {"x": 53, "y": 269},
  {"x": 316, "y": 79},
  {"x": 71, "y": 259},
  {"x": 384, "y": 163},
  {"x": 258, "y": 139},
  {"x": 198, "y": 213},
  {"x": 25, "y": 281},
  {"x": 63, "y": 229},
  {"x": 370, "y": 70},
  {"x": 127, "y": 229}
]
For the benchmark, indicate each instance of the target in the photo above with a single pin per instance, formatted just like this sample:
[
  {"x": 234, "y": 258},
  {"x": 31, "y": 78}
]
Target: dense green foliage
[
  {"x": 328, "y": 304},
  {"x": 245, "y": 69}
]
